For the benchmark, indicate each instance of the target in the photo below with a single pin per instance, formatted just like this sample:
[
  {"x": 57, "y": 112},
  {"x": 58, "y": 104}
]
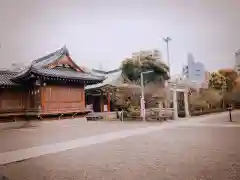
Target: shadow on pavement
[{"x": 3, "y": 178}]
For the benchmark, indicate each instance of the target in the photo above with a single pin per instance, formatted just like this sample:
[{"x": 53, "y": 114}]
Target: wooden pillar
[
  {"x": 109, "y": 102},
  {"x": 101, "y": 102}
]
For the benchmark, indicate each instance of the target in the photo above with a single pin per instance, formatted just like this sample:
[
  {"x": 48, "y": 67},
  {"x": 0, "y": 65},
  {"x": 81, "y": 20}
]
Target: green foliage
[
  {"x": 225, "y": 80},
  {"x": 231, "y": 77},
  {"x": 205, "y": 99},
  {"x": 132, "y": 68},
  {"x": 154, "y": 82},
  {"x": 196, "y": 101},
  {"x": 211, "y": 96},
  {"x": 217, "y": 81}
]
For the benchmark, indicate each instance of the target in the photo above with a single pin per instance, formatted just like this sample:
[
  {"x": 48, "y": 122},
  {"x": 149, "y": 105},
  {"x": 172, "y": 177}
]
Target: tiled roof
[
  {"x": 38, "y": 67},
  {"x": 5, "y": 78},
  {"x": 65, "y": 73},
  {"x": 50, "y": 58},
  {"x": 112, "y": 79}
]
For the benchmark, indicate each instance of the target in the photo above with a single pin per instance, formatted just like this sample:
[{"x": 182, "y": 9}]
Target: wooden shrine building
[
  {"x": 53, "y": 84},
  {"x": 99, "y": 97}
]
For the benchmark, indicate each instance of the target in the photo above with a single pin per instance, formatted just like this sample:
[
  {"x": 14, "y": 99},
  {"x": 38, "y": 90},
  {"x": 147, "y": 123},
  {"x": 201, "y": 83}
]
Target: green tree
[
  {"x": 217, "y": 81},
  {"x": 228, "y": 85},
  {"x": 234, "y": 95},
  {"x": 231, "y": 77},
  {"x": 154, "y": 81},
  {"x": 132, "y": 68}
]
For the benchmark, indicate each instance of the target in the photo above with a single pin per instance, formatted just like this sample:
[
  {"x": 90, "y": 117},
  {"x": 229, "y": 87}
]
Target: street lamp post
[
  {"x": 166, "y": 40},
  {"x": 142, "y": 96}
]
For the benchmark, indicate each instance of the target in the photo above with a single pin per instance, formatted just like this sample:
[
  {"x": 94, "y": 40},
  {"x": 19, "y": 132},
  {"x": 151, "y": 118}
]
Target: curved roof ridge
[
  {"x": 45, "y": 60},
  {"x": 60, "y": 51}
]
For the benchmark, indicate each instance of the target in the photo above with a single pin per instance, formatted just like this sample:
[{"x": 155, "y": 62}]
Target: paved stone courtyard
[{"x": 203, "y": 148}]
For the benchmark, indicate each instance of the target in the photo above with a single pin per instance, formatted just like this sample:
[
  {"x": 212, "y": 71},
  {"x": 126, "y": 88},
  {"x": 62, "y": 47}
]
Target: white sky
[{"x": 107, "y": 31}]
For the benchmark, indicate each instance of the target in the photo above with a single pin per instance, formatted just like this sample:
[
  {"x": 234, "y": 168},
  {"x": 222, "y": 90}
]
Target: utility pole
[{"x": 167, "y": 40}]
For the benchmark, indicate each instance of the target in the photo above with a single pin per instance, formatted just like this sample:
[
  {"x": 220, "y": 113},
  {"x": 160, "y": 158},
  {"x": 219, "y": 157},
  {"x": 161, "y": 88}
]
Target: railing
[
  {"x": 151, "y": 114},
  {"x": 159, "y": 114},
  {"x": 101, "y": 116},
  {"x": 130, "y": 115}
]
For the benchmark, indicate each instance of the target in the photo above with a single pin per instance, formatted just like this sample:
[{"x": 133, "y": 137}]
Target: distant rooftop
[{"x": 113, "y": 78}]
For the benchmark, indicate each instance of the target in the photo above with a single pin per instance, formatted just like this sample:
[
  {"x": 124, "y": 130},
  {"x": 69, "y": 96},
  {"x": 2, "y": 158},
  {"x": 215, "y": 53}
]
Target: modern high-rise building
[
  {"x": 194, "y": 71},
  {"x": 237, "y": 61},
  {"x": 154, "y": 53}
]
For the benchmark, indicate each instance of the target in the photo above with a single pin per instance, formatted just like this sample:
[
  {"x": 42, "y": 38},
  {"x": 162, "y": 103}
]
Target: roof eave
[
  {"x": 100, "y": 87},
  {"x": 9, "y": 85},
  {"x": 91, "y": 82},
  {"x": 36, "y": 72},
  {"x": 19, "y": 78}
]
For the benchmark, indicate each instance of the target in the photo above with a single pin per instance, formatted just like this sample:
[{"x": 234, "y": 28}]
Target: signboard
[{"x": 105, "y": 108}]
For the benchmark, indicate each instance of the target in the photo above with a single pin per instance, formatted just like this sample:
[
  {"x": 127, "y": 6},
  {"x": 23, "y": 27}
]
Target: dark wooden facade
[
  {"x": 101, "y": 96},
  {"x": 13, "y": 101},
  {"x": 53, "y": 84},
  {"x": 57, "y": 99},
  {"x": 101, "y": 100}
]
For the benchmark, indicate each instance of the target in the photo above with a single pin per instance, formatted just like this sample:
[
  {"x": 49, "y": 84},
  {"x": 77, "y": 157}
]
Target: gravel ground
[{"x": 181, "y": 153}]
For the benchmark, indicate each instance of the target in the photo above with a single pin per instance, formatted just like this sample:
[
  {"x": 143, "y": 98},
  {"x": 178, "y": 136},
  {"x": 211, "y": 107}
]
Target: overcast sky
[{"x": 107, "y": 31}]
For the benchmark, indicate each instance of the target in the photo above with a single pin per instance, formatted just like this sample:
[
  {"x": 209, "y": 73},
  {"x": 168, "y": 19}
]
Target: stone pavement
[
  {"x": 200, "y": 149},
  {"x": 44, "y": 133},
  {"x": 85, "y": 135}
]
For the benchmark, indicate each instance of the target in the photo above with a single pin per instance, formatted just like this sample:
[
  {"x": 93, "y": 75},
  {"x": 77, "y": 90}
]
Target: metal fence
[{"x": 151, "y": 114}]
